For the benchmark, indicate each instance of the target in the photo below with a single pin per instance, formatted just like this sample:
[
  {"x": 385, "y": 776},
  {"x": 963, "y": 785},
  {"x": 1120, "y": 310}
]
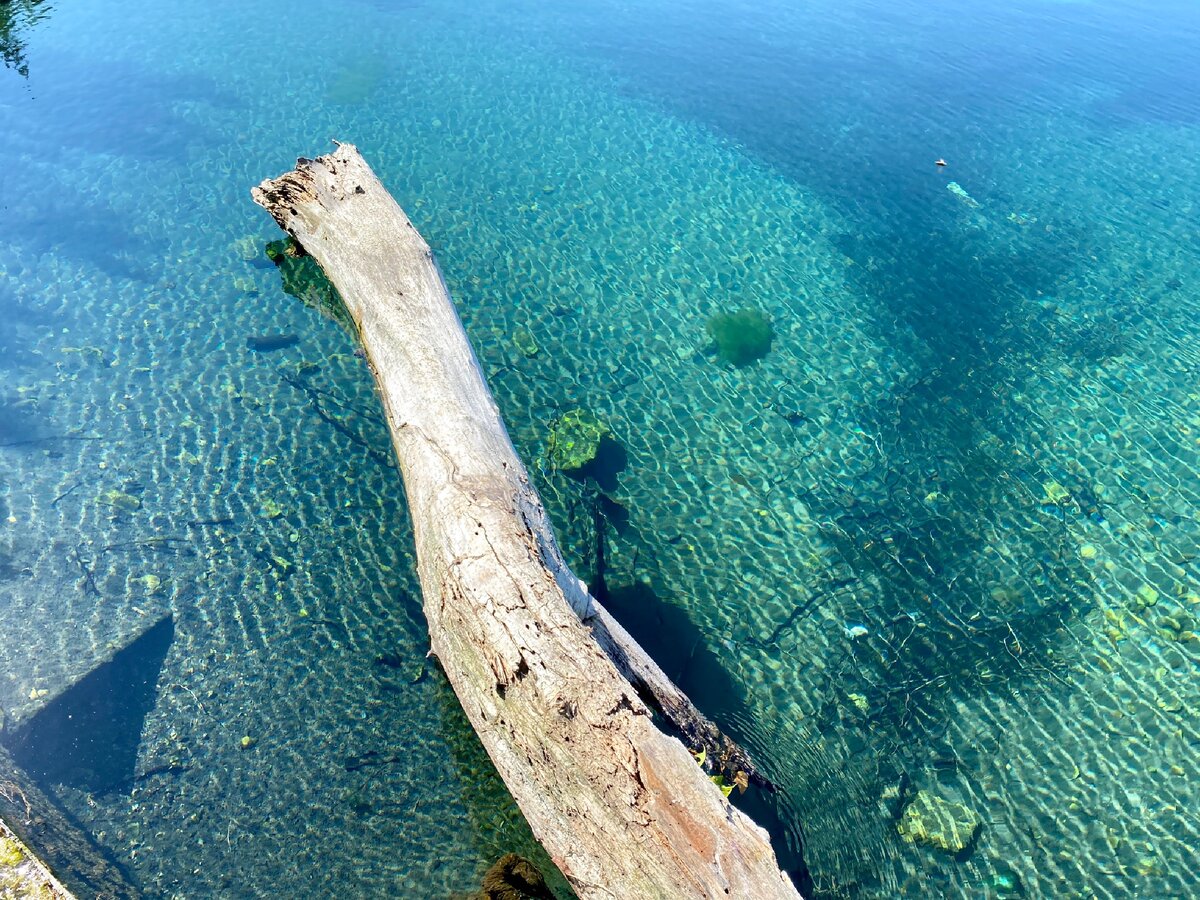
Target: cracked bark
[{"x": 542, "y": 671}]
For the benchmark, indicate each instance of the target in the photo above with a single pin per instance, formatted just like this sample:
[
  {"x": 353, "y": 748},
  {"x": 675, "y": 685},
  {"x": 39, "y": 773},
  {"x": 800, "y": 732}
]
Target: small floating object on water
[
  {"x": 855, "y": 631},
  {"x": 265, "y": 343},
  {"x": 1088, "y": 551},
  {"x": 940, "y": 162}
]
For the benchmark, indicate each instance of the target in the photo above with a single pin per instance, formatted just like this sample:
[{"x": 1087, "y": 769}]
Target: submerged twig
[
  {"x": 315, "y": 396},
  {"x": 89, "y": 577}
]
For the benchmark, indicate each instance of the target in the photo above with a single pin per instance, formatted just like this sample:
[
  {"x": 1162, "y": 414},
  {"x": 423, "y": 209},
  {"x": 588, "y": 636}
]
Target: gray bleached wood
[{"x": 621, "y": 807}]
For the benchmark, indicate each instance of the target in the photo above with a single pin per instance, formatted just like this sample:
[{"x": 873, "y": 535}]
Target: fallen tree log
[{"x": 546, "y": 677}]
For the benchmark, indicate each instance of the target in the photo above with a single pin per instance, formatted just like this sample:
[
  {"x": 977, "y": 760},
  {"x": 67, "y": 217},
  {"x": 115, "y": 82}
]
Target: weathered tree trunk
[
  {"x": 622, "y": 809},
  {"x": 60, "y": 843}
]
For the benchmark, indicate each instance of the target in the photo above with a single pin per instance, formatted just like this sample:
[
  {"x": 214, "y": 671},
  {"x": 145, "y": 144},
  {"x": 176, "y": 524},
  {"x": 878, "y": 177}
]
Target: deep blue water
[{"x": 942, "y": 538}]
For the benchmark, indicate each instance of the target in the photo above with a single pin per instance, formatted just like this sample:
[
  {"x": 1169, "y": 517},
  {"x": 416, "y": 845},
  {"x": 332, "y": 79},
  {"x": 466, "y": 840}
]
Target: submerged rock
[
  {"x": 513, "y": 877},
  {"x": 525, "y": 343},
  {"x": 265, "y": 343},
  {"x": 937, "y": 822},
  {"x": 574, "y": 439},
  {"x": 1055, "y": 493},
  {"x": 121, "y": 500},
  {"x": 151, "y": 584},
  {"x": 741, "y": 337},
  {"x": 961, "y": 193}
]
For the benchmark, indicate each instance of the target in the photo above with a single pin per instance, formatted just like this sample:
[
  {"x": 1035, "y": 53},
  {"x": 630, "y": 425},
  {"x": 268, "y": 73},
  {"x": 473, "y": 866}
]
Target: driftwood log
[{"x": 553, "y": 686}]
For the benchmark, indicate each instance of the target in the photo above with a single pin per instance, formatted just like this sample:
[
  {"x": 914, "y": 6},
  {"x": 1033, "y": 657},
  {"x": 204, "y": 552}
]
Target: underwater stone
[
  {"x": 961, "y": 193},
  {"x": 574, "y": 439},
  {"x": 265, "y": 343},
  {"x": 741, "y": 337},
  {"x": 121, "y": 500},
  {"x": 524, "y": 341},
  {"x": 1146, "y": 596},
  {"x": 513, "y": 877},
  {"x": 1056, "y": 493},
  {"x": 938, "y": 822},
  {"x": 150, "y": 583},
  {"x": 1005, "y": 882}
]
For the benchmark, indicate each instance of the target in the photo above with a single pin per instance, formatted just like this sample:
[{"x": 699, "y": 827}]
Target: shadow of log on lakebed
[{"x": 88, "y": 736}]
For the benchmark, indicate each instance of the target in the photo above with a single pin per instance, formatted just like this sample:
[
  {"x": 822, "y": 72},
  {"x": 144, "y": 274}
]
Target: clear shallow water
[{"x": 975, "y": 437}]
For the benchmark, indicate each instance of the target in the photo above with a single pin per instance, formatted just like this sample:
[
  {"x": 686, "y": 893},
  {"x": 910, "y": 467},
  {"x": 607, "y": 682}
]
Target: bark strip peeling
[{"x": 622, "y": 808}]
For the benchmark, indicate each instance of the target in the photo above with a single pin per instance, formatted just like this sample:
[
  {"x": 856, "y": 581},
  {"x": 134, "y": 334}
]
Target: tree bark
[
  {"x": 60, "y": 843},
  {"x": 622, "y": 808}
]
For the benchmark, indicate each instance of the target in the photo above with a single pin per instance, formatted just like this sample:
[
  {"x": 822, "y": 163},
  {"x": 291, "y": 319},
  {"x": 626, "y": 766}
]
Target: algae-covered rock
[
  {"x": 961, "y": 193},
  {"x": 938, "y": 822},
  {"x": 1146, "y": 596},
  {"x": 151, "y": 584},
  {"x": 513, "y": 877},
  {"x": 525, "y": 343},
  {"x": 1053, "y": 492},
  {"x": 741, "y": 337},
  {"x": 575, "y": 439},
  {"x": 121, "y": 500}
]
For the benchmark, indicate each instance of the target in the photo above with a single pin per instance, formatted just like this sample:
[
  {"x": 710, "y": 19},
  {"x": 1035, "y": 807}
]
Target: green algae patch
[
  {"x": 10, "y": 852},
  {"x": 304, "y": 279},
  {"x": 741, "y": 337},
  {"x": 525, "y": 343},
  {"x": 939, "y": 823},
  {"x": 121, "y": 501},
  {"x": 1054, "y": 493},
  {"x": 151, "y": 584},
  {"x": 574, "y": 439}
]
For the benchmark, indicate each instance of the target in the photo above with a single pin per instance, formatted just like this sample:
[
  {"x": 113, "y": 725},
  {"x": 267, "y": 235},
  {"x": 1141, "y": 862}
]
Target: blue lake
[{"x": 938, "y": 549}]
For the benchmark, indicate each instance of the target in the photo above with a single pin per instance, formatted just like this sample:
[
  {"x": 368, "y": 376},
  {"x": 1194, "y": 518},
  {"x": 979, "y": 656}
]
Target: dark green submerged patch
[
  {"x": 304, "y": 279},
  {"x": 15, "y": 17},
  {"x": 741, "y": 337}
]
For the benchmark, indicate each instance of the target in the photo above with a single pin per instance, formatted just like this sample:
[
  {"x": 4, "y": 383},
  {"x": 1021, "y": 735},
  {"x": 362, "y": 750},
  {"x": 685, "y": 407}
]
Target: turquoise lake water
[{"x": 943, "y": 538}]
